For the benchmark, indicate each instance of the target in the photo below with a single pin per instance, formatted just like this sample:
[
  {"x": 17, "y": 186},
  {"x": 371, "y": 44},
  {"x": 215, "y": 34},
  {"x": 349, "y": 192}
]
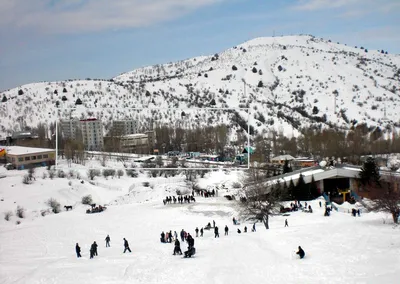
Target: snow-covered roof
[
  {"x": 282, "y": 158},
  {"x": 136, "y": 135},
  {"x": 19, "y": 150}
]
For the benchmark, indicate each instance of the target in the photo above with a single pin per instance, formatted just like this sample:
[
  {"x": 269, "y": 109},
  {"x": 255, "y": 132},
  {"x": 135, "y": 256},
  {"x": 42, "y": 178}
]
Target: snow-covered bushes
[
  {"x": 7, "y": 215},
  {"x": 20, "y": 212},
  {"x": 87, "y": 199},
  {"x": 120, "y": 173},
  {"x": 54, "y": 205},
  {"x": 92, "y": 173}
]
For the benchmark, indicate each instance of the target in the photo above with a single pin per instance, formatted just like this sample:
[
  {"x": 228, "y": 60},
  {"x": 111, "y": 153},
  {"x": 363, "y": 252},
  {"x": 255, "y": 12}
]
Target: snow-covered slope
[
  {"x": 288, "y": 82},
  {"x": 339, "y": 248}
]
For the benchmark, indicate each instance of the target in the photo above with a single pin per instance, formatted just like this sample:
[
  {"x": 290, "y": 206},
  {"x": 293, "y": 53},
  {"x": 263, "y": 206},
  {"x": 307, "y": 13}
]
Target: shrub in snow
[
  {"x": 70, "y": 183},
  {"x": 60, "y": 174},
  {"x": 54, "y": 205},
  {"x": 236, "y": 185},
  {"x": 234, "y": 68},
  {"x": 120, "y": 173},
  {"x": 26, "y": 179},
  {"x": 87, "y": 199},
  {"x": 52, "y": 173},
  {"x": 92, "y": 173},
  {"x": 20, "y": 212},
  {"x": 44, "y": 176},
  {"x": 132, "y": 173},
  {"x": 71, "y": 174},
  {"x": 18, "y": 222},
  {"x": 146, "y": 184},
  {"x": 7, "y": 215}
]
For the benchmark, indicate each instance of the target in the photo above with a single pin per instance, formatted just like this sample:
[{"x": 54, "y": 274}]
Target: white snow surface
[{"x": 339, "y": 248}]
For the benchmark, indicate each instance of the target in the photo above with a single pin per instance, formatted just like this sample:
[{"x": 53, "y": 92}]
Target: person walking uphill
[
  {"x": 226, "y": 230},
  {"x": 126, "y": 245},
  {"x": 286, "y": 223},
  {"x": 78, "y": 250},
  {"x": 108, "y": 241}
]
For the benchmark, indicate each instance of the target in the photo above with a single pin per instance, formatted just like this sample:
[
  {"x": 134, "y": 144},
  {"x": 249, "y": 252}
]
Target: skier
[
  {"x": 301, "y": 252},
  {"x": 107, "y": 241},
  {"x": 226, "y": 230},
  {"x": 216, "y": 232},
  {"x": 78, "y": 251},
  {"x": 126, "y": 245},
  {"x": 177, "y": 248},
  {"x": 201, "y": 232},
  {"x": 286, "y": 223},
  {"x": 197, "y": 232}
]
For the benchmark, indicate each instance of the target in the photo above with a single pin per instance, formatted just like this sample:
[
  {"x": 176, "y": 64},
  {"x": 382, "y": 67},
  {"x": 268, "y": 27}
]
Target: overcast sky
[{"x": 48, "y": 40}]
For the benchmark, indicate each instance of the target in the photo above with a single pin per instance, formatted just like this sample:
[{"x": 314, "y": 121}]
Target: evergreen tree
[
  {"x": 20, "y": 92},
  {"x": 301, "y": 189},
  {"x": 369, "y": 175},
  {"x": 286, "y": 167},
  {"x": 78, "y": 101},
  {"x": 64, "y": 98},
  {"x": 4, "y": 99},
  {"x": 64, "y": 90},
  {"x": 291, "y": 190},
  {"x": 314, "y": 188}
]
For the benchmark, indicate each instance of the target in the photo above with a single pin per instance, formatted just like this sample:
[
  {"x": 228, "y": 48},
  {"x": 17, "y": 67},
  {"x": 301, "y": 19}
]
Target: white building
[{"x": 90, "y": 131}]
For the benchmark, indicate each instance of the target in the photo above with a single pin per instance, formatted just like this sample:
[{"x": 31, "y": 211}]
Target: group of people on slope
[{"x": 93, "y": 247}]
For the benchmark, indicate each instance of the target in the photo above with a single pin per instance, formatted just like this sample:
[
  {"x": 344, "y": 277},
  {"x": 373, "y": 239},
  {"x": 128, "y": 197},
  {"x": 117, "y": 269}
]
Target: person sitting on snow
[
  {"x": 301, "y": 252},
  {"x": 191, "y": 251}
]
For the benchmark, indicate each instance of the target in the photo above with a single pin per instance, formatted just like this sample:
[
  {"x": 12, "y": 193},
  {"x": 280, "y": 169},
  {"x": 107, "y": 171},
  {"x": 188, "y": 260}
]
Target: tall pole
[{"x": 56, "y": 162}]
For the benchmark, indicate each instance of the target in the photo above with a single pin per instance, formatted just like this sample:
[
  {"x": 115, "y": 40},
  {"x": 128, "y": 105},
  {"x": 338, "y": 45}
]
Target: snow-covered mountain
[{"x": 287, "y": 82}]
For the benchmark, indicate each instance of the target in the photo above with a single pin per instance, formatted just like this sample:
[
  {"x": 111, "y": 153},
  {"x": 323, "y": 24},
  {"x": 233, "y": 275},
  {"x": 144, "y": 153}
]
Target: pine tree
[
  {"x": 369, "y": 174},
  {"x": 20, "y": 92},
  {"x": 291, "y": 190},
  {"x": 286, "y": 167},
  {"x": 78, "y": 101},
  {"x": 314, "y": 188},
  {"x": 4, "y": 99},
  {"x": 301, "y": 189}
]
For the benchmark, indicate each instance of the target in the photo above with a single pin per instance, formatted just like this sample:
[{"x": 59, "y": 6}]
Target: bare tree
[
  {"x": 259, "y": 202},
  {"x": 387, "y": 197}
]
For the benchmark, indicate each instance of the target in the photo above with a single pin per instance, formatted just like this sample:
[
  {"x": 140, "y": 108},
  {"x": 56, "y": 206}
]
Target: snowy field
[{"x": 339, "y": 248}]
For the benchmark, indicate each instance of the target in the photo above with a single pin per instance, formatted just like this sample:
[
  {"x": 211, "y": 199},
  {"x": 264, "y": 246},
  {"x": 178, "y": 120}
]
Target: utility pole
[{"x": 334, "y": 103}]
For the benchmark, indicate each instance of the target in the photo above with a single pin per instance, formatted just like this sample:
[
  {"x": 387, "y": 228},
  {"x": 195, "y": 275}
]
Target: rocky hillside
[{"x": 287, "y": 83}]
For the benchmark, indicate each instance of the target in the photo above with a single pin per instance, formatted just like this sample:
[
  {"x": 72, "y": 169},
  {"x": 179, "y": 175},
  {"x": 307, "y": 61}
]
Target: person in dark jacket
[
  {"x": 126, "y": 245},
  {"x": 216, "y": 234},
  {"x": 107, "y": 241},
  {"x": 182, "y": 235},
  {"x": 201, "y": 232},
  {"x": 286, "y": 223},
  {"x": 190, "y": 241},
  {"x": 177, "y": 248},
  {"x": 301, "y": 252},
  {"x": 78, "y": 250},
  {"x": 191, "y": 251},
  {"x": 94, "y": 248},
  {"x": 245, "y": 229},
  {"x": 197, "y": 232},
  {"x": 162, "y": 239},
  {"x": 239, "y": 231},
  {"x": 226, "y": 230}
]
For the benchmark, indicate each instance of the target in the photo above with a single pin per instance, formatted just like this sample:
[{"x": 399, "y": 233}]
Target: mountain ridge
[{"x": 289, "y": 82}]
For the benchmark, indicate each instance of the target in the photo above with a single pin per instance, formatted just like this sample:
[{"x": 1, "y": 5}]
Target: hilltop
[{"x": 288, "y": 82}]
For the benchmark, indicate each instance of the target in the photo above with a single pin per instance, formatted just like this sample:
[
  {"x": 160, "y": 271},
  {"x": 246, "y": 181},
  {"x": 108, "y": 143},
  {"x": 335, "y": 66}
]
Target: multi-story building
[
  {"x": 140, "y": 143},
  {"x": 124, "y": 127},
  {"x": 89, "y": 131},
  {"x": 92, "y": 133}
]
